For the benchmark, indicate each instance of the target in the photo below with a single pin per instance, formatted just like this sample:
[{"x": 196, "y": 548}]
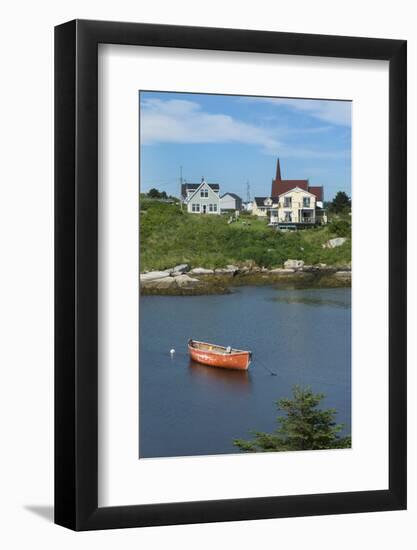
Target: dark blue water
[{"x": 190, "y": 409}]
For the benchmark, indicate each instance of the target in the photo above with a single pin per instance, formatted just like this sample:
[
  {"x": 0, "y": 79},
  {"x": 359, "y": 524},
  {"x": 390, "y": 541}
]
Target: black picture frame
[{"x": 76, "y": 273}]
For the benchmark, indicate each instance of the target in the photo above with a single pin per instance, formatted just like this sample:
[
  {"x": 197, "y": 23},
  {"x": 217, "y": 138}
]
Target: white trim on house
[
  {"x": 297, "y": 189},
  {"x": 187, "y": 199},
  {"x": 296, "y": 211},
  {"x": 208, "y": 204}
]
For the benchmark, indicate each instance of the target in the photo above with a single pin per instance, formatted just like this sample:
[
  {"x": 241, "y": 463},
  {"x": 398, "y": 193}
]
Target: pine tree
[
  {"x": 305, "y": 427},
  {"x": 341, "y": 202},
  {"x": 154, "y": 193}
]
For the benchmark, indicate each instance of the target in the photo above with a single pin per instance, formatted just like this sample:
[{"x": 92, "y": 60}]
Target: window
[
  {"x": 195, "y": 208},
  {"x": 306, "y": 202},
  {"x": 287, "y": 202},
  {"x": 210, "y": 208},
  {"x": 204, "y": 193},
  {"x": 288, "y": 216},
  {"x": 214, "y": 207}
]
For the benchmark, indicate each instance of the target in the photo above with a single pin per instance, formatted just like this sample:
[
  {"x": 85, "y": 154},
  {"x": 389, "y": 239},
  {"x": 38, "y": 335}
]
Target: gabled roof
[
  {"x": 296, "y": 189},
  {"x": 260, "y": 201},
  {"x": 195, "y": 186},
  {"x": 232, "y": 195},
  {"x": 317, "y": 191},
  {"x": 213, "y": 187},
  {"x": 282, "y": 186}
]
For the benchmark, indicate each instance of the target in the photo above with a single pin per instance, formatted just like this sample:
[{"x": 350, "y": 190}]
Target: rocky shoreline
[{"x": 181, "y": 280}]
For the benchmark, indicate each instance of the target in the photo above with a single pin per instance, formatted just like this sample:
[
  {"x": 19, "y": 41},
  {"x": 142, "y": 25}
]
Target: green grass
[{"x": 170, "y": 236}]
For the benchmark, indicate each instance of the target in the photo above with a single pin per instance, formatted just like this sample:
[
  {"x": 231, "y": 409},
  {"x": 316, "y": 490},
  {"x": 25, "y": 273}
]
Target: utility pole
[
  {"x": 247, "y": 192},
  {"x": 181, "y": 186}
]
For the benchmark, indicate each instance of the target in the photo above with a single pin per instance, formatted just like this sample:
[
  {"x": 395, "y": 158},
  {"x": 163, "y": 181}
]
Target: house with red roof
[
  {"x": 280, "y": 186},
  {"x": 292, "y": 203}
]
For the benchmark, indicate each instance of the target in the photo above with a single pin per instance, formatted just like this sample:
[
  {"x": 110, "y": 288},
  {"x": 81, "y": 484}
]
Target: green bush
[{"x": 341, "y": 228}]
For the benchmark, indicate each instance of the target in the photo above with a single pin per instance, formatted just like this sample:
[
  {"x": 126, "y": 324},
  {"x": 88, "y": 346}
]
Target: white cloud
[
  {"x": 184, "y": 121},
  {"x": 332, "y": 111}
]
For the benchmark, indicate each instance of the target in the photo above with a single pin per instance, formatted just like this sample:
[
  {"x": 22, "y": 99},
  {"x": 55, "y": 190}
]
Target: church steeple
[{"x": 278, "y": 175}]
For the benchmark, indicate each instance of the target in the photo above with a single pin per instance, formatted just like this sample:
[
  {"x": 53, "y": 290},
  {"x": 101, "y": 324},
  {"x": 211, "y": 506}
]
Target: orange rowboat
[{"x": 219, "y": 356}]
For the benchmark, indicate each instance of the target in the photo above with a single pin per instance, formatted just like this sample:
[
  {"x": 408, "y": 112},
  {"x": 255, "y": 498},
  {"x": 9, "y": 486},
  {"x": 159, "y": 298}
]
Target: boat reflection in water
[{"x": 232, "y": 380}]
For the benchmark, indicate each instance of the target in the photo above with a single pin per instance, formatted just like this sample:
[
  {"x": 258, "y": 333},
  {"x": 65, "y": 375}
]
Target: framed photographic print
[{"x": 230, "y": 275}]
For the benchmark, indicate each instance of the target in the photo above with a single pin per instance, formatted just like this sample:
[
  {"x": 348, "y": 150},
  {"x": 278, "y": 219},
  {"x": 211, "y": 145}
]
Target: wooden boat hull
[{"x": 238, "y": 360}]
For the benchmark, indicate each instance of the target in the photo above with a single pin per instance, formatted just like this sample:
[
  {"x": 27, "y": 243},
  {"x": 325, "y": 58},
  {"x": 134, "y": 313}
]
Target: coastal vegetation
[
  {"x": 340, "y": 204},
  {"x": 171, "y": 236},
  {"x": 302, "y": 427}
]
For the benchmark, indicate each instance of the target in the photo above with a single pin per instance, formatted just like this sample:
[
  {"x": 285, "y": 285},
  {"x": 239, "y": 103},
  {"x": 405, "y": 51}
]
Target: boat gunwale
[{"x": 232, "y": 352}]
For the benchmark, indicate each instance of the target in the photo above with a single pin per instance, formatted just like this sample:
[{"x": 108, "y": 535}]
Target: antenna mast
[
  {"x": 181, "y": 187},
  {"x": 247, "y": 192}
]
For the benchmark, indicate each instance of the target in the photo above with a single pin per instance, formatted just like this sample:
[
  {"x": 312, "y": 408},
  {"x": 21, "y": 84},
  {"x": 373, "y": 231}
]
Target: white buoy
[{"x": 172, "y": 351}]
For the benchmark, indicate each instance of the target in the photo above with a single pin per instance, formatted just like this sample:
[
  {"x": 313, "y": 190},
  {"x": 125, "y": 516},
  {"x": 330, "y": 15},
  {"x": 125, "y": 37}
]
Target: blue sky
[{"x": 231, "y": 140}]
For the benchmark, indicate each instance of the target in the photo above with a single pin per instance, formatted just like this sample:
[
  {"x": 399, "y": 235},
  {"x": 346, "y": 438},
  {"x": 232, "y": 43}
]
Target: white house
[
  {"x": 201, "y": 198},
  {"x": 230, "y": 201},
  {"x": 247, "y": 206},
  {"x": 297, "y": 206},
  {"x": 265, "y": 207}
]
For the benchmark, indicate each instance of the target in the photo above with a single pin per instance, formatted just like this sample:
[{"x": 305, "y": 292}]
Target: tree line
[
  {"x": 156, "y": 194},
  {"x": 340, "y": 204}
]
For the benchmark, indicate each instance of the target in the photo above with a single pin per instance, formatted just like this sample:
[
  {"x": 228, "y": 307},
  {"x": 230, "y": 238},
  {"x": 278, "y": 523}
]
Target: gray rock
[
  {"x": 324, "y": 268},
  {"x": 228, "y": 270},
  {"x": 152, "y": 275},
  {"x": 166, "y": 282},
  {"x": 279, "y": 270},
  {"x": 201, "y": 271},
  {"x": 344, "y": 274},
  {"x": 293, "y": 264},
  {"x": 333, "y": 243},
  {"x": 184, "y": 281},
  {"x": 181, "y": 268}
]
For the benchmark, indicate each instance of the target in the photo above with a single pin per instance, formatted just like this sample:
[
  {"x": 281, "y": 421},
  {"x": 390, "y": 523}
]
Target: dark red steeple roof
[
  {"x": 280, "y": 186},
  {"x": 278, "y": 174}
]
